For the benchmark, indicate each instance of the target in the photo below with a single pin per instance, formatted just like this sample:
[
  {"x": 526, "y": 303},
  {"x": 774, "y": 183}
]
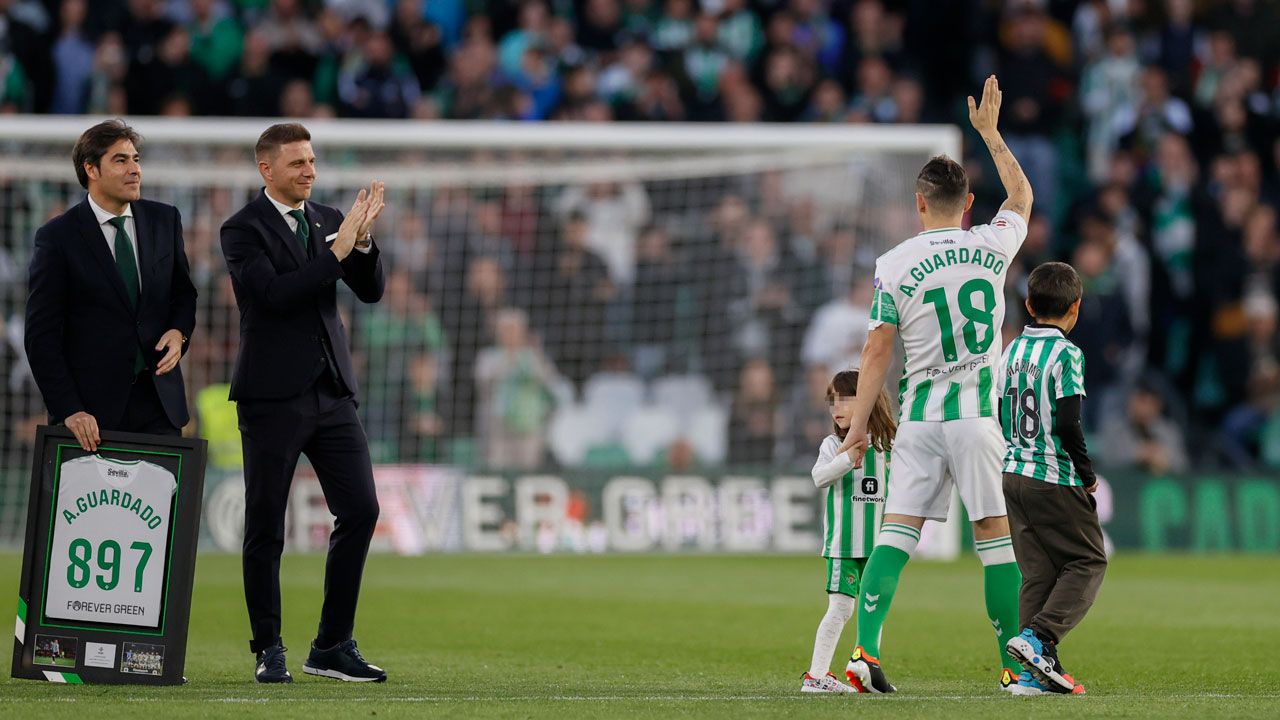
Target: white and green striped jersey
[
  {"x": 1039, "y": 368},
  {"x": 852, "y": 501},
  {"x": 944, "y": 289}
]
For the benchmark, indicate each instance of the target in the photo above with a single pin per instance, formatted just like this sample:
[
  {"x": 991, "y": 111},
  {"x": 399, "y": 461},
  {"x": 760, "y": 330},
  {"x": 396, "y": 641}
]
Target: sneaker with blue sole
[
  {"x": 1029, "y": 650},
  {"x": 1028, "y": 686},
  {"x": 342, "y": 662}
]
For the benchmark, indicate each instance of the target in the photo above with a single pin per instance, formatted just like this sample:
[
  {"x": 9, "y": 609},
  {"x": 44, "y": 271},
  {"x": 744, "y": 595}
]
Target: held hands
[
  {"x": 171, "y": 343},
  {"x": 984, "y": 116},
  {"x": 85, "y": 427},
  {"x": 359, "y": 220},
  {"x": 855, "y": 443}
]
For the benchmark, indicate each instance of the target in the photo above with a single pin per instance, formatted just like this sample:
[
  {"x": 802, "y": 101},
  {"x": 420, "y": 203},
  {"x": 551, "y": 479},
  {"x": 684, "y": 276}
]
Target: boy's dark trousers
[{"x": 1057, "y": 540}]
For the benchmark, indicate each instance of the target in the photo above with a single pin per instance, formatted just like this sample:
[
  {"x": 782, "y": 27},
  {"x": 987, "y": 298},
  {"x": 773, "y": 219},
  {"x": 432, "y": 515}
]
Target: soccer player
[
  {"x": 853, "y": 505},
  {"x": 1049, "y": 481},
  {"x": 943, "y": 290}
]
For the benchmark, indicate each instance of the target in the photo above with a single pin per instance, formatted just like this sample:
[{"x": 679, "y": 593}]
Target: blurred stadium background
[{"x": 612, "y": 330}]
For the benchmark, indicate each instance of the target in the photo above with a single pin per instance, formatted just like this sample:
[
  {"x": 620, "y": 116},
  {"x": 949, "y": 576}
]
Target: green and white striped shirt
[
  {"x": 1039, "y": 368},
  {"x": 853, "y": 499},
  {"x": 944, "y": 289}
]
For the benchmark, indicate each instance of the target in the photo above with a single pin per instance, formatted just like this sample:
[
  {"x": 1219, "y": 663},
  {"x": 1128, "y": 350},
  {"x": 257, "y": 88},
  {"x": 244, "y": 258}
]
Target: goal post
[{"x": 609, "y": 259}]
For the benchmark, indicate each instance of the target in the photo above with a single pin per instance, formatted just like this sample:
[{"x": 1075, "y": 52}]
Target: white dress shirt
[
  {"x": 292, "y": 222},
  {"x": 109, "y": 231}
]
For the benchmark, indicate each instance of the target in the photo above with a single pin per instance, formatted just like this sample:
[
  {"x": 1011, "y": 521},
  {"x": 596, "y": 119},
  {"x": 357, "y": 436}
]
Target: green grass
[
  {"x": 60, "y": 661},
  {"x": 702, "y": 636}
]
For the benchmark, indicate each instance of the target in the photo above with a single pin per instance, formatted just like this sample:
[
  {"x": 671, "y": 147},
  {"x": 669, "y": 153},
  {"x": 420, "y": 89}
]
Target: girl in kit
[{"x": 853, "y": 502}]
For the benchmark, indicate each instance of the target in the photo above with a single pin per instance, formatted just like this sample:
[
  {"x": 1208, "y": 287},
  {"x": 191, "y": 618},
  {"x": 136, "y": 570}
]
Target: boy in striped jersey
[
  {"x": 852, "y": 505},
  {"x": 1049, "y": 480},
  {"x": 943, "y": 292}
]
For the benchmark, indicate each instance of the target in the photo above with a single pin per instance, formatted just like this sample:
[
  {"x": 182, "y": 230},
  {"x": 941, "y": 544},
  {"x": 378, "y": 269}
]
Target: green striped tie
[
  {"x": 303, "y": 231},
  {"x": 128, "y": 268}
]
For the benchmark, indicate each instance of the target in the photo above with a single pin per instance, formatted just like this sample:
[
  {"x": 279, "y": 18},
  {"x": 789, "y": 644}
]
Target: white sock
[
  {"x": 996, "y": 551},
  {"x": 839, "y": 610}
]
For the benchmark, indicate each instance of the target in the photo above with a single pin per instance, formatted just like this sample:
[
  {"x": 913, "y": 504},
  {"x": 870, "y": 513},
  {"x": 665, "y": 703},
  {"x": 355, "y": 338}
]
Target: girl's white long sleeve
[{"x": 830, "y": 466}]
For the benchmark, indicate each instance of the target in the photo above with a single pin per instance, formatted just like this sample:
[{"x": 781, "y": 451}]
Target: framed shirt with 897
[{"x": 105, "y": 593}]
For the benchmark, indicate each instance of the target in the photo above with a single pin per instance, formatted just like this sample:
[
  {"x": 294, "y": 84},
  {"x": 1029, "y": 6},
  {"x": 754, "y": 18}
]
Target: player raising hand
[{"x": 943, "y": 291}]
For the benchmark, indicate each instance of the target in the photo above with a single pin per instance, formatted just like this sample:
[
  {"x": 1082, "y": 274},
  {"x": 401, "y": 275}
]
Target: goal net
[{"x": 557, "y": 295}]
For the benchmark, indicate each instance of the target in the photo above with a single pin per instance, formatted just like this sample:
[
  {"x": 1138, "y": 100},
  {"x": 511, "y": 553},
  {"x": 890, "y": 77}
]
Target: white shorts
[{"x": 930, "y": 457}]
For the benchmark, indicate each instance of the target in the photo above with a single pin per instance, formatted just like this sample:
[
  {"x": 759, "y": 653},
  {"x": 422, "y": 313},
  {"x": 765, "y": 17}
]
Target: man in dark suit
[
  {"x": 295, "y": 387},
  {"x": 110, "y": 304}
]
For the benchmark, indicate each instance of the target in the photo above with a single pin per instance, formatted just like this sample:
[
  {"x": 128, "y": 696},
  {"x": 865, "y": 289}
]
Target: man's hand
[
  {"x": 348, "y": 231},
  {"x": 855, "y": 443},
  {"x": 984, "y": 115},
  {"x": 171, "y": 343},
  {"x": 373, "y": 209},
  {"x": 85, "y": 428}
]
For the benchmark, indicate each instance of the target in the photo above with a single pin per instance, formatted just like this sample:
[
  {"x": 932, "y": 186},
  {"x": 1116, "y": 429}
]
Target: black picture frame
[{"x": 56, "y": 648}]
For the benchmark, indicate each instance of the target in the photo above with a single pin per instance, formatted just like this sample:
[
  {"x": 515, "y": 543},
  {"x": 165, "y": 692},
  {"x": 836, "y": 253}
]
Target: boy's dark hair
[
  {"x": 279, "y": 134},
  {"x": 96, "y": 141},
  {"x": 943, "y": 183},
  {"x": 1052, "y": 288}
]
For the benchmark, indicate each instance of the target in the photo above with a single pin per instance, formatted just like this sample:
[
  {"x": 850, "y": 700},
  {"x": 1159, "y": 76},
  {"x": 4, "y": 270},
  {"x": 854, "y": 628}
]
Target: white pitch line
[{"x": 898, "y": 697}]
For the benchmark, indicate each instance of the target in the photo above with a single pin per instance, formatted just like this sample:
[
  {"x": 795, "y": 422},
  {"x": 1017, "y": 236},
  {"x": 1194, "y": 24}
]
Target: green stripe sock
[
  {"x": 879, "y": 582},
  {"x": 1000, "y": 583}
]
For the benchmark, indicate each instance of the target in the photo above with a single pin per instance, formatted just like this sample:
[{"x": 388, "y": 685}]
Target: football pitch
[{"x": 701, "y": 636}]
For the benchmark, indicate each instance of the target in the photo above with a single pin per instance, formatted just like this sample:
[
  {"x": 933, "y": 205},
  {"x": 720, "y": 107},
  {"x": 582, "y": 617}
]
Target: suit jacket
[
  {"x": 288, "y": 300},
  {"x": 82, "y": 334}
]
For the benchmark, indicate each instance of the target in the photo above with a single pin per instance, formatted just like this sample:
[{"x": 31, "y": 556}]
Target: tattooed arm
[{"x": 984, "y": 119}]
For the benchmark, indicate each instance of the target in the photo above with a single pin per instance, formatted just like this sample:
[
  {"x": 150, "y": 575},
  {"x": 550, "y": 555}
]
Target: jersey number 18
[{"x": 978, "y": 329}]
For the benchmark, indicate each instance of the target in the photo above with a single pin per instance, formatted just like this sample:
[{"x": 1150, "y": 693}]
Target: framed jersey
[{"x": 109, "y": 560}]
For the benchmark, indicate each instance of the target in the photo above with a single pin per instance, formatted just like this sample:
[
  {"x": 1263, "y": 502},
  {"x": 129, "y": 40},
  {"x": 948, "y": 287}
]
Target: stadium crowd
[{"x": 1150, "y": 130}]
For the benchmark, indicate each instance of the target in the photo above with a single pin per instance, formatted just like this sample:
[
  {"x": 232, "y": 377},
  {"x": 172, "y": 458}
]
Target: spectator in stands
[
  {"x": 1141, "y": 125},
  {"x": 739, "y": 31},
  {"x": 420, "y": 42},
  {"x": 806, "y": 414},
  {"x": 1171, "y": 201},
  {"x": 614, "y": 213},
  {"x": 468, "y": 318},
  {"x": 391, "y": 334},
  {"x": 216, "y": 41},
  {"x": 572, "y": 291},
  {"x": 293, "y": 39},
  {"x": 535, "y": 22},
  {"x": 424, "y": 428},
  {"x": 1174, "y": 44},
  {"x": 837, "y": 333},
  {"x": 599, "y": 26},
  {"x": 1108, "y": 88},
  {"x": 673, "y": 31},
  {"x": 767, "y": 318},
  {"x": 1103, "y": 331},
  {"x": 703, "y": 60},
  {"x": 513, "y": 382},
  {"x": 1033, "y": 88},
  {"x": 256, "y": 91},
  {"x": 379, "y": 87},
  {"x": 1144, "y": 438},
  {"x": 106, "y": 83},
  {"x": 827, "y": 103},
  {"x": 659, "y": 278},
  {"x": 73, "y": 60},
  {"x": 753, "y": 417}
]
